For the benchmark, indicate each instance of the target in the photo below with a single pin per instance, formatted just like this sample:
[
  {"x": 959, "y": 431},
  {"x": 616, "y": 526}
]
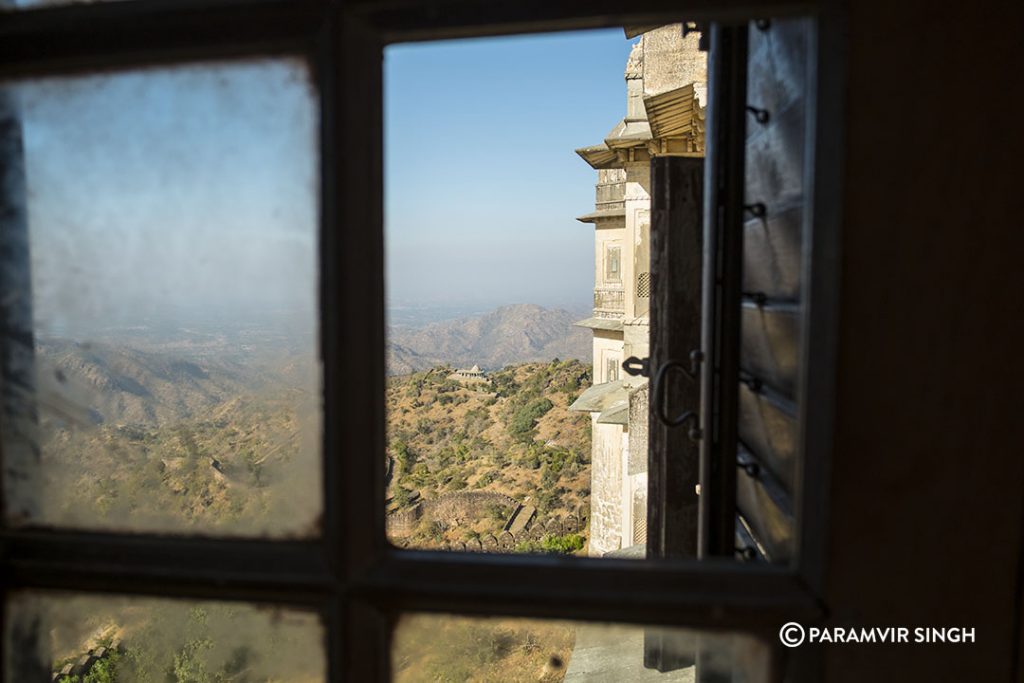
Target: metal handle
[{"x": 658, "y": 400}]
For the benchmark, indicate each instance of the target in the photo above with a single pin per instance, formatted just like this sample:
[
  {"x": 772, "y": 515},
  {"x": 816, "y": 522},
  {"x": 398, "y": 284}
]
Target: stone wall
[
  {"x": 536, "y": 530},
  {"x": 84, "y": 663},
  {"x": 451, "y": 509},
  {"x": 671, "y": 60},
  {"x": 606, "y": 488}
]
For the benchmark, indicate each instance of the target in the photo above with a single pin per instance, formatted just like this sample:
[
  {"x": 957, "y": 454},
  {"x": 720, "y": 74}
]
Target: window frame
[
  {"x": 612, "y": 254},
  {"x": 351, "y": 576}
]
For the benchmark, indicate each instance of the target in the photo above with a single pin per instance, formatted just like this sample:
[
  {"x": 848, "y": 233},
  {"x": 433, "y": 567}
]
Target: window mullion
[
  {"x": 260, "y": 571},
  {"x": 713, "y": 594}
]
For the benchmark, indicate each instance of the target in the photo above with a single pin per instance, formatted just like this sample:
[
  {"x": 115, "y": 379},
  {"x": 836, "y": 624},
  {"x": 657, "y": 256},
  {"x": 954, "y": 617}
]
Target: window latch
[
  {"x": 658, "y": 398},
  {"x": 637, "y": 366}
]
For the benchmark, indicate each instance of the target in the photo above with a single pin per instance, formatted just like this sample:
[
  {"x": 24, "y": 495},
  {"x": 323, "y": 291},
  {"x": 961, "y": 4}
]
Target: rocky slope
[{"x": 512, "y": 435}]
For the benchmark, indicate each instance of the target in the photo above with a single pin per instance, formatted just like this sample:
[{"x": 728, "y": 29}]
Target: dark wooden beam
[
  {"x": 412, "y": 20},
  {"x": 104, "y": 35},
  {"x": 677, "y": 196}
]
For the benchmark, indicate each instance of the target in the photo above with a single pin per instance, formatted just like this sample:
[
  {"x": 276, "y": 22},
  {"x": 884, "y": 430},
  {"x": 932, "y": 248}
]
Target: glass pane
[
  {"x": 518, "y": 199},
  {"x": 78, "y": 638},
  {"x": 428, "y": 647},
  {"x": 160, "y": 263}
]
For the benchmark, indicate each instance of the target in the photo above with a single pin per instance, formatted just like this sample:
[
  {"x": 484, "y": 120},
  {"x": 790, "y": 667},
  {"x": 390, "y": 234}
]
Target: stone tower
[{"x": 666, "y": 78}]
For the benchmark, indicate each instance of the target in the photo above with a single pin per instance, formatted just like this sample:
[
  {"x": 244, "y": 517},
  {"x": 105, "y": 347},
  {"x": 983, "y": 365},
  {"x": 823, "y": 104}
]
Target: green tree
[{"x": 521, "y": 424}]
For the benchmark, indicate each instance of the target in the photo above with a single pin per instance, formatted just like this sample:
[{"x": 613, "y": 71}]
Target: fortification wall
[
  {"x": 606, "y": 488},
  {"x": 451, "y": 509}
]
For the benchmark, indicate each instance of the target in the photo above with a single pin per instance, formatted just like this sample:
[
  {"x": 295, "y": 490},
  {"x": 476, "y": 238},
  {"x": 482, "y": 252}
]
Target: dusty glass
[
  {"x": 70, "y": 637},
  {"x": 161, "y": 362},
  {"x": 431, "y": 647}
]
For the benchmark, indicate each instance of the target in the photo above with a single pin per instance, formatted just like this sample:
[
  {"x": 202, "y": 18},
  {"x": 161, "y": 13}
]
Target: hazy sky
[
  {"x": 482, "y": 183},
  {"x": 159, "y": 193},
  {"x": 167, "y": 192}
]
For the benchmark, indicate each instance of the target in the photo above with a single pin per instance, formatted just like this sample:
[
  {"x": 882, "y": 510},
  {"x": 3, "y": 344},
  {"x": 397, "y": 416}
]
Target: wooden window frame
[{"x": 351, "y": 576}]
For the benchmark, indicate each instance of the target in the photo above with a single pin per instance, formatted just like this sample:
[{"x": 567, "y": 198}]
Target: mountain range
[
  {"x": 517, "y": 333},
  {"x": 161, "y": 377}
]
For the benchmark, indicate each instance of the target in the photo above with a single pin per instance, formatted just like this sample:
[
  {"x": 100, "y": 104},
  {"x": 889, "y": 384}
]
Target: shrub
[
  {"x": 532, "y": 460},
  {"x": 549, "y": 477},
  {"x": 406, "y": 458},
  {"x": 496, "y": 512},
  {"x": 569, "y": 543},
  {"x": 521, "y": 424},
  {"x": 104, "y": 671},
  {"x": 553, "y": 544},
  {"x": 402, "y": 497}
]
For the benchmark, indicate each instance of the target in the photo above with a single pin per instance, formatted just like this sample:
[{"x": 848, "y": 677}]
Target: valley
[{"x": 215, "y": 429}]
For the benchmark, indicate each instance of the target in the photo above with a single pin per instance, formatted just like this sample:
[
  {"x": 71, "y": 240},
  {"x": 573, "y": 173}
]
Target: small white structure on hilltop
[
  {"x": 666, "y": 87},
  {"x": 471, "y": 375}
]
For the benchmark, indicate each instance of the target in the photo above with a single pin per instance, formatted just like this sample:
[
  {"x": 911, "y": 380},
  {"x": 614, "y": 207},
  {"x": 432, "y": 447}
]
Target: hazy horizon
[
  {"x": 154, "y": 201},
  {"x": 482, "y": 184}
]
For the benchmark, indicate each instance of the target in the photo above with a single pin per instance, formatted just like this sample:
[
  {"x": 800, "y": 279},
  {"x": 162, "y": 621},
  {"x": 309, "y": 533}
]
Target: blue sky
[
  {"x": 194, "y": 188},
  {"x": 167, "y": 192},
  {"x": 482, "y": 186}
]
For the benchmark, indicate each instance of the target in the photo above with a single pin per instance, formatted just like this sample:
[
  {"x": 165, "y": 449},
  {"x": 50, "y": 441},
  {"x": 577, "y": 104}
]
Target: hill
[
  {"x": 511, "y": 436},
  {"x": 169, "y": 441},
  {"x": 518, "y": 333},
  {"x": 106, "y": 383},
  {"x": 211, "y": 441}
]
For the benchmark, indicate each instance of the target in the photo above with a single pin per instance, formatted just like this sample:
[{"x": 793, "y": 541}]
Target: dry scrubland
[
  {"x": 448, "y": 649},
  {"x": 154, "y": 438},
  {"x": 147, "y": 441},
  {"x": 137, "y": 640},
  {"x": 512, "y": 435}
]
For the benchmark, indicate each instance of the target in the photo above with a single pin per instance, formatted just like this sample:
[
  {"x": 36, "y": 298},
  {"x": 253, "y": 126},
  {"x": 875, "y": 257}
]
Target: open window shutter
[
  {"x": 754, "y": 304},
  {"x": 771, "y": 315},
  {"x": 726, "y": 318}
]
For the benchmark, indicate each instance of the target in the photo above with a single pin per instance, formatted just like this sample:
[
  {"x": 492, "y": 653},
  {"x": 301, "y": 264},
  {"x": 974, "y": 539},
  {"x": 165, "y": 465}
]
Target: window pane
[
  {"x": 160, "y": 261},
  {"x": 71, "y": 638},
  {"x": 429, "y": 647},
  {"x": 517, "y": 218}
]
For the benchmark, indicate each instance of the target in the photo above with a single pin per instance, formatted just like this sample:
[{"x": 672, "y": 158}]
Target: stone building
[
  {"x": 666, "y": 76},
  {"x": 473, "y": 375}
]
